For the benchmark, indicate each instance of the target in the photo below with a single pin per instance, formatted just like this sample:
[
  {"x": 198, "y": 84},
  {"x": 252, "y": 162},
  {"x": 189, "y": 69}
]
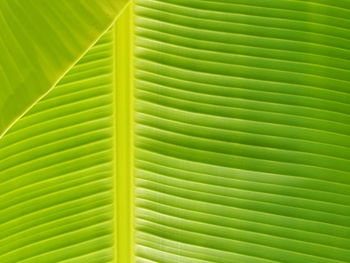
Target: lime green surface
[
  {"x": 193, "y": 132},
  {"x": 243, "y": 131},
  {"x": 40, "y": 40},
  {"x": 56, "y": 170}
]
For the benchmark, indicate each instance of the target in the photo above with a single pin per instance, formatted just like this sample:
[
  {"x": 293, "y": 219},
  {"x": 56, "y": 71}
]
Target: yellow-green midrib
[{"x": 124, "y": 140}]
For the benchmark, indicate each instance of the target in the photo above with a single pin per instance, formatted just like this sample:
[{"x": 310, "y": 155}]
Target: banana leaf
[{"x": 186, "y": 131}]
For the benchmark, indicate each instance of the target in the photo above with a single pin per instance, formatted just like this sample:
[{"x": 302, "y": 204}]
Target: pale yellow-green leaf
[{"x": 39, "y": 41}]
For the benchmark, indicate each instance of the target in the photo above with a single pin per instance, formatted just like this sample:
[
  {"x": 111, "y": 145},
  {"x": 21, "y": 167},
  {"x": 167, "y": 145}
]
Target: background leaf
[{"x": 40, "y": 40}]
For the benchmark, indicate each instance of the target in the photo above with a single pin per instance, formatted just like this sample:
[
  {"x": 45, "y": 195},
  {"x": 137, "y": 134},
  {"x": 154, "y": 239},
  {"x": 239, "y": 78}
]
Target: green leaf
[
  {"x": 208, "y": 131},
  {"x": 40, "y": 41},
  {"x": 242, "y": 131},
  {"x": 56, "y": 183},
  {"x": 57, "y": 187}
]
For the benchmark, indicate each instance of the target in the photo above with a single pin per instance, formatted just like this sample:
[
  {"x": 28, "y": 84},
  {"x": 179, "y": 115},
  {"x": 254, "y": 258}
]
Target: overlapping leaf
[
  {"x": 56, "y": 184},
  {"x": 40, "y": 40}
]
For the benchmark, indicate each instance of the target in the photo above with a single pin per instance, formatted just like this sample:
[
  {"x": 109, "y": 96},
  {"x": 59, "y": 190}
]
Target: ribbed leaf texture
[
  {"x": 242, "y": 131},
  {"x": 56, "y": 170},
  {"x": 242, "y": 139},
  {"x": 40, "y": 40}
]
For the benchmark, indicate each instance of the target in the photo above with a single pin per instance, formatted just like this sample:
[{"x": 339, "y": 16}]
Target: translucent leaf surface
[
  {"x": 40, "y": 40},
  {"x": 56, "y": 170},
  {"x": 234, "y": 145},
  {"x": 242, "y": 131}
]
